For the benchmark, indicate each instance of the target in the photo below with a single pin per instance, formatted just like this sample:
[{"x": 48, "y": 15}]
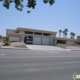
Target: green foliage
[
  {"x": 72, "y": 34},
  {"x": 28, "y": 11},
  {"x": 60, "y": 31},
  {"x": 65, "y": 32},
  {"x": 19, "y": 3},
  {"x": 6, "y": 40},
  {"x": 78, "y": 37},
  {"x": 1, "y": 37},
  {"x": 49, "y": 1}
]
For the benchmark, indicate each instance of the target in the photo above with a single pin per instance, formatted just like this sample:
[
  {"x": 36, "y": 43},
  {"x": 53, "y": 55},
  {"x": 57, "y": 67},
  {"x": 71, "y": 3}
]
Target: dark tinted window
[
  {"x": 45, "y": 34},
  {"x": 28, "y": 32},
  {"x": 37, "y": 33}
]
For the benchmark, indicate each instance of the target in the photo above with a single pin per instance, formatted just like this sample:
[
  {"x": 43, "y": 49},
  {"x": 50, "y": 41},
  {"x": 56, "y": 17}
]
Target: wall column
[{"x": 55, "y": 42}]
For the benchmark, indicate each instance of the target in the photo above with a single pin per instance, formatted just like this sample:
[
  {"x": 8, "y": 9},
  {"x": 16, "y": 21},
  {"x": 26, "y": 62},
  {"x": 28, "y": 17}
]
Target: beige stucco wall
[
  {"x": 9, "y": 30},
  {"x": 15, "y": 39},
  {"x": 70, "y": 43},
  {"x": 22, "y": 38},
  {"x": 52, "y": 39}
]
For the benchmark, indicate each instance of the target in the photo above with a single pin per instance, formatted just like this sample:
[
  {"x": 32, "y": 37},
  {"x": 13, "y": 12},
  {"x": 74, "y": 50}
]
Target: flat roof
[{"x": 35, "y": 30}]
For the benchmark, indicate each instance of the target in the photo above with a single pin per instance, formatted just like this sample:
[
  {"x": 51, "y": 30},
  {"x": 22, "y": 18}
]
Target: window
[
  {"x": 37, "y": 33},
  {"x": 28, "y": 32},
  {"x": 46, "y": 34}
]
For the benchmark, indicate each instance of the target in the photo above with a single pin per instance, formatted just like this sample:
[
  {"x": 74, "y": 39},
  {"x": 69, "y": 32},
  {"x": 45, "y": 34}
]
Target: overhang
[
  {"x": 35, "y": 30},
  {"x": 15, "y": 34}
]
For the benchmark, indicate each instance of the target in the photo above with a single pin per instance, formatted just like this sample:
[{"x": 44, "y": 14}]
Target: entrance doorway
[{"x": 28, "y": 39}]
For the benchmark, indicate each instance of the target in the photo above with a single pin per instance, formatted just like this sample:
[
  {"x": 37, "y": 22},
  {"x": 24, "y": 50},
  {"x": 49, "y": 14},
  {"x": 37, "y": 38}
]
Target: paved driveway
[{"x": 43, "y": 47}]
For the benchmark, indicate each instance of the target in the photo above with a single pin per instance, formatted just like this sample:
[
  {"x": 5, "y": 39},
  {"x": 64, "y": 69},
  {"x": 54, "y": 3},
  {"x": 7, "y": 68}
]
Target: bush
[{"x": 6, "y": 40}]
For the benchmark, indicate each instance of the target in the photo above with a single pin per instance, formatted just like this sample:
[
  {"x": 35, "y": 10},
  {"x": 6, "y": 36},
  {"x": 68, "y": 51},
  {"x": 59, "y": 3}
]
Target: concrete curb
[{"x": 15, "y": 48}]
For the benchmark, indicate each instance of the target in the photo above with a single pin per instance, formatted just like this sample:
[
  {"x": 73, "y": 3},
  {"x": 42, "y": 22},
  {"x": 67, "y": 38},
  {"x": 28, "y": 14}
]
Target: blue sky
[{"x": 63, "y": 14}]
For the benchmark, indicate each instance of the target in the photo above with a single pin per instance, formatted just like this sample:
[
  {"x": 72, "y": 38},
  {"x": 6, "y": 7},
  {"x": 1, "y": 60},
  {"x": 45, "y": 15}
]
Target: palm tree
[
  {"x": 78, "y": 37},
  {"x": 63, "y": 34},
  {"x": 71, "y": 34},
  {"x": 66, "y": 30},
  {"x": 60, "y": 31}
]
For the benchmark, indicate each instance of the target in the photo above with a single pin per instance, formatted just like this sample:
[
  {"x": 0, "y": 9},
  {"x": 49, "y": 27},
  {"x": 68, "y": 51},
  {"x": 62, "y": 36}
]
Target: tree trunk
[
  {"x": 63, "y": 35},
  {"x": 71, "y": 36},
  {"x": 60, "y": 35}
]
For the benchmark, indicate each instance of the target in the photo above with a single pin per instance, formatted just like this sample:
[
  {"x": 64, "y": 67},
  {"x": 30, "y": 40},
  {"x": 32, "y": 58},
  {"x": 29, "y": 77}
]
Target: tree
[
  {"x": 60, "y": 31},
  {"x": 19, "y": 3},
  {"x": 28, "y": 11},
  {"x": 65, "y": 32},
  {"x": 6, "y": 40},
  {"x": 0, "y": 36},
  {"x": 71, "y": 34},
  {"x": 78, "y": 37}
]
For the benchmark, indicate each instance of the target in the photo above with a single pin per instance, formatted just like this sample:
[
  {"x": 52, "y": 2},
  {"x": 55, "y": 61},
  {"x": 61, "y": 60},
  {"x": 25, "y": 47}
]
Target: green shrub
[{"x": 6, "y": 40}]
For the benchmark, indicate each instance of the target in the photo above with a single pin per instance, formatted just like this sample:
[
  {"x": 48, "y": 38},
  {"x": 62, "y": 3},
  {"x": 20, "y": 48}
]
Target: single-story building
[
  {"x": 68, "y": 41},
  {"x": 37, "y": 37}
]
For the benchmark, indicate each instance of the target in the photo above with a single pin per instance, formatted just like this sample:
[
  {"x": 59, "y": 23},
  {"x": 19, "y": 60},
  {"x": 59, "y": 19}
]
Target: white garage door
[
  {"x": 14, "y": 39},
  {"x": 45, "y": 40},
  {"x": 37, "y": 40}
]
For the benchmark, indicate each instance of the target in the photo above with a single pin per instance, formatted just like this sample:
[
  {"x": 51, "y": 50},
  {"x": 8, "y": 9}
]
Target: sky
[{"x": 62, "y": 14}]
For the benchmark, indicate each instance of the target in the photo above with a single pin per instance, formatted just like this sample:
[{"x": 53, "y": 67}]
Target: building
[
  {"x": 32, "y": 36},
  {"x": 37, "y": 37}
]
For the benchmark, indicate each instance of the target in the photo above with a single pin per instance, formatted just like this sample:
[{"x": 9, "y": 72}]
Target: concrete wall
[
  {"x": 52, "y": 41},
  {"x": 16, "y": 39},
  {"x": 71, "y": 43},
  {"x": 23, "y": 35},
  {"x": 22, "y": 32},
  {"x": 11, "y": 37},
  {"x": 9, "y": 30}
]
